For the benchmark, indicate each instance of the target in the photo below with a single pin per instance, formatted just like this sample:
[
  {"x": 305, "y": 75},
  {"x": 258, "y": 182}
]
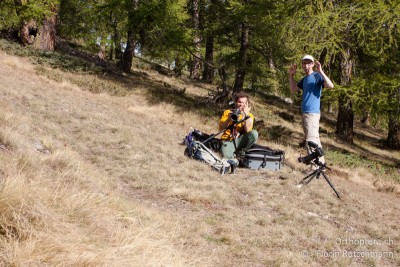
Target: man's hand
[
  {"x": 319, "y": 66},
  {"x": 246, "y": 109},
  {"x": 292, "y": 70},
  {"x": 327, "y": 82},
  {"x": 248, "y": 123}
]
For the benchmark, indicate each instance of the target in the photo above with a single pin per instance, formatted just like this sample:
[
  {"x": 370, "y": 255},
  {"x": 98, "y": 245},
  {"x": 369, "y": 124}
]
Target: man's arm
[
  {"x": 327, "y": 82},
  {"x": 248, "y": 124},
  {"x": 224, "y": 121}
]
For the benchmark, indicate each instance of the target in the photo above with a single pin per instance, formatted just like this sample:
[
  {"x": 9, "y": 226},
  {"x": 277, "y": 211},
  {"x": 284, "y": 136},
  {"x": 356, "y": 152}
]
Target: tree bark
[
  {"x": 224, "y": 78},
  {"x": 115, "y": 51},
  {"x": 345, "y": 120},
  {"x": 241, "y": 69},
  {"x": 178, "y": 66},
  {"x": 195, "y": 68},
  {"x": 208, "y": 72},
  {"x": 46, "y": 37},
  {"x": 129, "y": 53},
  {"x": 28, "y": 32},
  {"x": 126, "y": 63},
  {"x": 393, "y": 139},
  {"x": 344, "y": 124},
  {"x": 28, "y": 29},
  {"x": 42, "y": 36},
  {"x": 330, "y": 108},
  {"x": 365, "y": 117}
]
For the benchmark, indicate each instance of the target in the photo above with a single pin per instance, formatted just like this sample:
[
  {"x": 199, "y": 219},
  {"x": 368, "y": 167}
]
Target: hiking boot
[
  {"x": 234, "y": 164},
  {"x": 240, "y": 154}
]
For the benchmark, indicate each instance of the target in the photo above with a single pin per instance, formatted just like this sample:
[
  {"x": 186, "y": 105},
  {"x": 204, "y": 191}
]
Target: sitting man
[{"x": 238, "y": 137}]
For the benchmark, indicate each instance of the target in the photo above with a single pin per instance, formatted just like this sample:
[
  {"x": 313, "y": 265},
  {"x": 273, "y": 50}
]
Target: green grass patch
[{"x": 348, "y": 160}]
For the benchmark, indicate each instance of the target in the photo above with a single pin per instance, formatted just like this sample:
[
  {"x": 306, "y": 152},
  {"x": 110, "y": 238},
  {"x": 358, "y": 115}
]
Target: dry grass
[{"x": 101, "y": 180}]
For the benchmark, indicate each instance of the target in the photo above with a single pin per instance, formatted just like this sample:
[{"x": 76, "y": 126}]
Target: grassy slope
[{"x": 99, "y": 180}]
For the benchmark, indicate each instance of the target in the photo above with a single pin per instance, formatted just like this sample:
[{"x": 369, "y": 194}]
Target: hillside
[{"x": 91, "y": 177}]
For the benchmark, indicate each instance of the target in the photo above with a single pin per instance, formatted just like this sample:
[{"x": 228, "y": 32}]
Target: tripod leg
[
  {"x": 309, "y": 177},
  {"x": 329, "y": 182}
]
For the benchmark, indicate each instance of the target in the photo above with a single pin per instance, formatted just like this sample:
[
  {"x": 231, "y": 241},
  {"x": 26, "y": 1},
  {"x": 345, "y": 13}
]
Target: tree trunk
[
  {"x": 42, "y": 36},
  {"x": 46, "y": 37},
  {"x": 222, "y": 96},
  {"x": 28, "y": 32},
  {"x": 126, "y": 63},
  {"x": 115, "y": 51},
  {"x": 195, "y": 68},
  {"x": 322, "y": 56},
  {"x": 208, "y": 72},
  {"x": 224, "y": 78},
  {"x": 241, "y": 69},
  {"x": 178, "y": 66},
  {"x": 393, "y": 139},
  {"x": 28, "y": 29},
  {"x": 345, "y": 120},
  {"x": 24, "y": 37},
  {"x": 344, "y": 124},
  {"x": 330, "y": 107},
  {"x": 272, "y": 67},
  {"x": 365, "y": 118}
]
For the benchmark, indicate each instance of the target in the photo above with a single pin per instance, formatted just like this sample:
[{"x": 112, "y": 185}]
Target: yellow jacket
[{"x": 227, "y": 135}]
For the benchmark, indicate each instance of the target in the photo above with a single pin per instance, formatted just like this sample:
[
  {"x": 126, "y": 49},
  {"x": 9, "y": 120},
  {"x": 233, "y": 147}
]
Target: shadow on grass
[
  {"x": 286, "y": 116},
  {"x": 182, "y": 101}
]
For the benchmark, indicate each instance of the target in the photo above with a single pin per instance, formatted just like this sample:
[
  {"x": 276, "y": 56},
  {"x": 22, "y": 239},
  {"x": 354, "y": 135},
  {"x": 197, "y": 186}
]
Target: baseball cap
[{"x": 309, "y": 57}]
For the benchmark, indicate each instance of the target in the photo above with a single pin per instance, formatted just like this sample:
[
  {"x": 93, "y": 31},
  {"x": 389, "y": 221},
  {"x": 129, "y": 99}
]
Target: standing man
[
  {"x": 237, "y": 137},
  {"x": 312, "y": 85}
]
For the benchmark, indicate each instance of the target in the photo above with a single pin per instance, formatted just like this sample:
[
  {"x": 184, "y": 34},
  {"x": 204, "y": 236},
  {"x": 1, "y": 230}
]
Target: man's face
[
  {"x": 307, "y": 66},
  {"x": 241, "y": 102}
]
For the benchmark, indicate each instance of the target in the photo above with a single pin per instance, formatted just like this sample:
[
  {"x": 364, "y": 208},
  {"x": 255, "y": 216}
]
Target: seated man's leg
[
  {"x": 246, "y": 141},
  {"x": 228, "y": 149}
]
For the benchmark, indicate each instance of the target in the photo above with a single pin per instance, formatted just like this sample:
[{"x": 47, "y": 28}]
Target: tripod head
[
  {"x": 314, "y": 154},
  {"x": 320, "y": 164},
  {"x": 226, "y": 128}
]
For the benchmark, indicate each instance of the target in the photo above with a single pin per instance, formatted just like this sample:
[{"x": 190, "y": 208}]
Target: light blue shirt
[{"x": 312, "y": 89}]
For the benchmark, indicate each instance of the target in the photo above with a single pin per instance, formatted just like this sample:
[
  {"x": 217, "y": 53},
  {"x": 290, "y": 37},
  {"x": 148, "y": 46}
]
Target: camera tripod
[{"x": 316, "y": 174}]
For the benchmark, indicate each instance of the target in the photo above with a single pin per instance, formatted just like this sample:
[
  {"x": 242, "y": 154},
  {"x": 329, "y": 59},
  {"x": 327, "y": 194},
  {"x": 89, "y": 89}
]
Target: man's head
[
  {"x": 307, "y": 63},
  {"x": 241, "y": 99}
]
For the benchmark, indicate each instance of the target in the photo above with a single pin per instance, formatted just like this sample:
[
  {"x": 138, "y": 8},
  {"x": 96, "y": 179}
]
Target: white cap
[{"x": 309, "y": 57}]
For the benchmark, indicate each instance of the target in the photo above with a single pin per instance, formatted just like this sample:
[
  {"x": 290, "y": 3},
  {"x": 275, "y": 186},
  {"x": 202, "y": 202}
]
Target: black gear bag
[{"x": 262, "y": 157}]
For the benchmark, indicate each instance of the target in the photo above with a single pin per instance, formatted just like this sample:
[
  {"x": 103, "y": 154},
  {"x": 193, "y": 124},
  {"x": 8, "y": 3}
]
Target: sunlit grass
[{"x": 93, "y": 174}]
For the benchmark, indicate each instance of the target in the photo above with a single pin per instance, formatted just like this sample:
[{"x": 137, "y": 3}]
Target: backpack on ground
[
  {"x": 208, "y": 140},
  {"x": 263, "y": 157},
  {"x": 199, "y": 151}
]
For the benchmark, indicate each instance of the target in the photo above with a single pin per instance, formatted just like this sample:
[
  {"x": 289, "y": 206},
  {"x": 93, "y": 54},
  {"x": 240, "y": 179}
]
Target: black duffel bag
[{"x": 263, "y": 157}]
